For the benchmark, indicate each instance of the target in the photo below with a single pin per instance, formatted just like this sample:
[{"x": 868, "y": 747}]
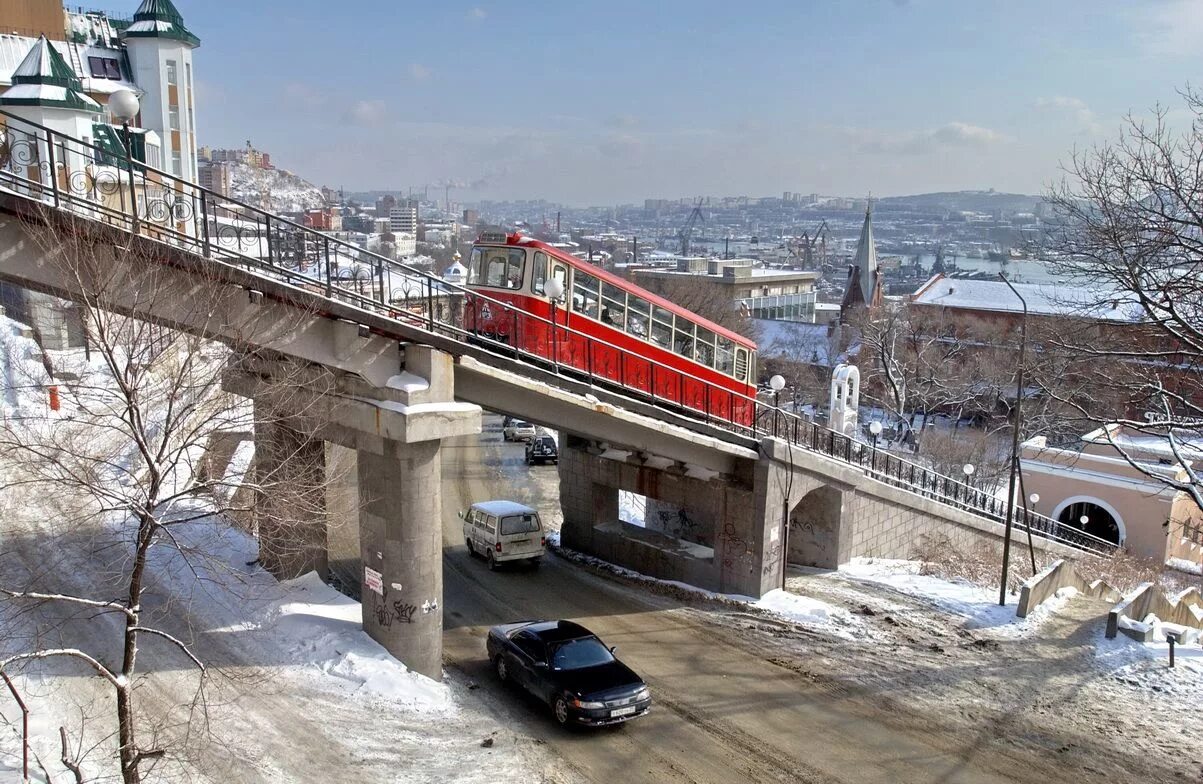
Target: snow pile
[
  {"x": 1147, "y": 665},
  {"x": 1183, "y": 565},
  {"x": 802, "y": 609},
  {"x": 321, "y": 629},
  {"x": 978, "y": 606}
]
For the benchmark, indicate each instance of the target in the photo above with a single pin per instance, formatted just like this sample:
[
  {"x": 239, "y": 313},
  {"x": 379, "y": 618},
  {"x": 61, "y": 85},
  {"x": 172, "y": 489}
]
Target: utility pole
[
  {"x": 634, "y": 250},
  {"x": 1023, "y": 342}
]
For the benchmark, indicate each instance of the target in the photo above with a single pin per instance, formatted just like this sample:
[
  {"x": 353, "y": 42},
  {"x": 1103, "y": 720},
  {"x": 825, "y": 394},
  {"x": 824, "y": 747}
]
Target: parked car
[
  {"x": 569, "y": 668},
  {"x": 542, "y": 449},
  {"x": 517, "y": 430},
  {"x": 501, "y": 531}
]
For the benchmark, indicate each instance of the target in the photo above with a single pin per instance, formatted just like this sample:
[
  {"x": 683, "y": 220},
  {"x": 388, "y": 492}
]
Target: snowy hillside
[{"x": 283, "y": 192}]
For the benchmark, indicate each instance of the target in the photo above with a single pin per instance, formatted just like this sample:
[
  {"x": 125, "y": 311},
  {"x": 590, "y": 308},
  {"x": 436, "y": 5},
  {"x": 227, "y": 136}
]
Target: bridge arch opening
[{"x": 814, "y": 528}]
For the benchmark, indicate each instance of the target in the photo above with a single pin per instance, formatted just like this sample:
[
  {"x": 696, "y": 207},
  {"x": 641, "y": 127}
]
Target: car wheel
[
  {"x": 503, "y": 671},
  {"x": 492, "y": 562},
  {"x": 534, "y": 562},
  {"x": 560, "y": 709}
]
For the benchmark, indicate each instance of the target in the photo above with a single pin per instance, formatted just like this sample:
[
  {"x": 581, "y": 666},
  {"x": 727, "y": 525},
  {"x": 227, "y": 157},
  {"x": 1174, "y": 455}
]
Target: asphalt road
[{"x": 723, "y": 711}]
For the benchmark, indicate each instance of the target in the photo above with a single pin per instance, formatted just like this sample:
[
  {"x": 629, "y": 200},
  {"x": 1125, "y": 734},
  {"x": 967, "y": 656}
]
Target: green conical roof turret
[
  {"x": 44, "y": 79},
  {"x": 160, "y": 19}
]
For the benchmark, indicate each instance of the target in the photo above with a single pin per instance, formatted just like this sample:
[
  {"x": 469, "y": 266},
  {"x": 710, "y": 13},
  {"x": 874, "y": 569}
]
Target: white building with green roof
[{"x": 76, "y": 69}]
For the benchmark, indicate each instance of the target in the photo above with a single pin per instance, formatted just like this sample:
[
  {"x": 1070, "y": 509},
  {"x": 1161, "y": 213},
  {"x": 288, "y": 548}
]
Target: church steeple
[{"x": 864, "y": 277}]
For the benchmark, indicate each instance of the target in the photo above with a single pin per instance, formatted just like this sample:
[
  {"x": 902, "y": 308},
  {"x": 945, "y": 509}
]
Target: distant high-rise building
[
  {"x": 471, "y": 217},
  {"x": 385, "y": 205},
  {"x": 404, "y": 217},
  {"x": 215, "y": 176}
]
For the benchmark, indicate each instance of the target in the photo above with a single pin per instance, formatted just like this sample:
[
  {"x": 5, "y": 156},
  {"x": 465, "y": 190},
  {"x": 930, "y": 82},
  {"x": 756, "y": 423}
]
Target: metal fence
[{"x": 107, "y": 186}]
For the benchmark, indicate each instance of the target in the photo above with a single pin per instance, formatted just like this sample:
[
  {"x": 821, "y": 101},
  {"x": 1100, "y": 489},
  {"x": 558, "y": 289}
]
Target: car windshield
[
  {"x": 519, "y": 524},
  {"x": 579, "y": 654}
]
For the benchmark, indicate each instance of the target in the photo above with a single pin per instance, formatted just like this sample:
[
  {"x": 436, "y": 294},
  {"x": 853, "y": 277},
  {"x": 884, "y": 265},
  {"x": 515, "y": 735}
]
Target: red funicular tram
[{"x": 607, "y": 328}]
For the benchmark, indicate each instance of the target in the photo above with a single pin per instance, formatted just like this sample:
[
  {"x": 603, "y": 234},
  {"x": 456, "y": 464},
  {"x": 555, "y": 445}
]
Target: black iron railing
[{"x": 98, "y": 183}]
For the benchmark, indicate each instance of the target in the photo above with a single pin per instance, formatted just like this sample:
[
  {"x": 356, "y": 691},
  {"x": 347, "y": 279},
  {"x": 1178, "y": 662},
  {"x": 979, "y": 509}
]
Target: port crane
[
  {"x": 808, "y": 243},
  {"x": 686, "y": 231}
]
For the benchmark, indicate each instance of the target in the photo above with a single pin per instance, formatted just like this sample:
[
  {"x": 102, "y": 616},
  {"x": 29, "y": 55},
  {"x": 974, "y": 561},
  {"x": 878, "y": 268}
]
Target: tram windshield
[{"x": 500, "y": 268}]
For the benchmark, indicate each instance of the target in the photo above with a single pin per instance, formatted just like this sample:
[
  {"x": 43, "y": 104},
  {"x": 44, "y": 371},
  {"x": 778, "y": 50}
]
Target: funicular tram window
[
  {"x": 585, "y": 293},
  {"x": 741, "y": 364},
  {"x": 614, "y": 306},
  {"x": 724, "y": 361},
  {"x": 638, "y": 316},
  {"x": 704, "y": 347},
  {"x": 539, "y": 272},
  {"x": 683, "y": 338},
  {"x": 498, "y": 267},
  {"x": 662, "y": 327}
]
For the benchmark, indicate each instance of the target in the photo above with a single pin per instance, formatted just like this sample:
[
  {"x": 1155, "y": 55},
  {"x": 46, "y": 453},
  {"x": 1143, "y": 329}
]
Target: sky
[{"x": 598, "y": 103}]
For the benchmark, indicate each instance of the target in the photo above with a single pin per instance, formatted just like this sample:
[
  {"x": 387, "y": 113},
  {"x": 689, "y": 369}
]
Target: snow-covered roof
[
  {"x": 503, "y": 508},
  {"x": 1042, "y": 298},
  {"x": 159, "y": 19},
  {"x": 14, "y": 48},
  {"x": 44, "y": 79}
]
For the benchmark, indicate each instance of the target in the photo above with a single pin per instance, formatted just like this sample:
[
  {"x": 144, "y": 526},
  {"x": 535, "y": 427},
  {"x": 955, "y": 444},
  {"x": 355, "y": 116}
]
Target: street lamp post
[
  {"x": 968, "y": 470},
  {"x": 554, "y": 290},
  {"x": 125, "y": 107},
  {"x": 1023, "y": 342},
  {"x": 875, "y": 431},
  {"x": 776, "y": 383}
]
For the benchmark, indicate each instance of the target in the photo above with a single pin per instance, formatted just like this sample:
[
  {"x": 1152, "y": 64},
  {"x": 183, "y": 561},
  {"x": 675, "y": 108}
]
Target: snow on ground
[
  {"x": 976, "y": 605},
  {"x": 803, "y": 610},
  {"x": 317, "y": 626}
]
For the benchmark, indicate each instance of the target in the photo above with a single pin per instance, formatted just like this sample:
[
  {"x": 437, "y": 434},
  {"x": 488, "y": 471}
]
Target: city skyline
[{"x": 619, "y": 103}]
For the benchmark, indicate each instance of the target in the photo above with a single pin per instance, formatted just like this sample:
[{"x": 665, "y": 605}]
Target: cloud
[
  {"x": 418, "y": 72},
  {"x": 1169, "y": 27},
  {"x": 953, "y": 134},
  {"x": 477, "y": 14},
  {"x": 367, "y": 113},
  {"x": 1076, "y": 109}
]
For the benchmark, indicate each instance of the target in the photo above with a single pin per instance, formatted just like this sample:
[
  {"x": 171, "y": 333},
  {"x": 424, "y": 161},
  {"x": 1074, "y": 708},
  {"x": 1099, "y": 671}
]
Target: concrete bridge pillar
[
  {"x": 290, "y": 510},
  {"x": 388, "y": 439},
  {"x": 401, "y": 543}
]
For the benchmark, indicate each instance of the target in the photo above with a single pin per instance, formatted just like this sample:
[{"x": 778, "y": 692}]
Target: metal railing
[{"x": 106, "y": 186}]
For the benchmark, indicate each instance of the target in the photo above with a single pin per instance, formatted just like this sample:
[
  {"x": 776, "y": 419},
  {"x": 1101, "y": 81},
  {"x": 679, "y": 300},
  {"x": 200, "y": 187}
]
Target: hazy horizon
[{"x": 615, "y": 103}]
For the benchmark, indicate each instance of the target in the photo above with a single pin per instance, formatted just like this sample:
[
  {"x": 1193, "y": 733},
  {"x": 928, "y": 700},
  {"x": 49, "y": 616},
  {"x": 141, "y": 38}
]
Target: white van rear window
[{"x": 519, "y": 524}]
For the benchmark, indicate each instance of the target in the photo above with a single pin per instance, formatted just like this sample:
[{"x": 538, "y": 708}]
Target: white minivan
[{"x": 500, "y": 531}]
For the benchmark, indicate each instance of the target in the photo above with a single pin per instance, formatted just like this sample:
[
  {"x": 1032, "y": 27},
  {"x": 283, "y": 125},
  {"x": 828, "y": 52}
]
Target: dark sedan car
[{"x": 568, "y": 667}]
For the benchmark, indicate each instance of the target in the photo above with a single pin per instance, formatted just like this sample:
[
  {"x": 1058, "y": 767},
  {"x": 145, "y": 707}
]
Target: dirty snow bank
[
  {"x": 976, "y": 605},
  {"x": 321, "y": 628}
]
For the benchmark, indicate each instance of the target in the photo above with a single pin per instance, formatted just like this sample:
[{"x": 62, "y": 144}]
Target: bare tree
[
  {"x": 112, "y": 484},
  {"x": 1130, "y": 232}
]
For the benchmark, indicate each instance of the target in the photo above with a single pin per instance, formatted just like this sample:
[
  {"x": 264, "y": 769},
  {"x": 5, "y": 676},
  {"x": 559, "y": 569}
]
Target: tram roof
[{"x": 611, "y": 278}]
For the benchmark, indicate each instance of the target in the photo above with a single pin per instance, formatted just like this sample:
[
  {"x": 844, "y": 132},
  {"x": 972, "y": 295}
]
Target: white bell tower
[{"x": 160, "y": 54}]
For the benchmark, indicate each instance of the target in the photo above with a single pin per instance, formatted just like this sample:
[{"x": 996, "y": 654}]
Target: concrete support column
[
  {"x": 401, "y": 542},
  {"x": 290, "y": 509}
]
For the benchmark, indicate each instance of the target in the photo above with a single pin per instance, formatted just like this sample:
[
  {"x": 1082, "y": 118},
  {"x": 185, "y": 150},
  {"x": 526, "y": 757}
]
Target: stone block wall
[{"x": 721, "y": 514}]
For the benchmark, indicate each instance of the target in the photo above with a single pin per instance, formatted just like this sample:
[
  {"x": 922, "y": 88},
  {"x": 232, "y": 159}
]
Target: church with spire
[
  {"x": 58, "y": 68},
  {"x": 864, "y": 288}
]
